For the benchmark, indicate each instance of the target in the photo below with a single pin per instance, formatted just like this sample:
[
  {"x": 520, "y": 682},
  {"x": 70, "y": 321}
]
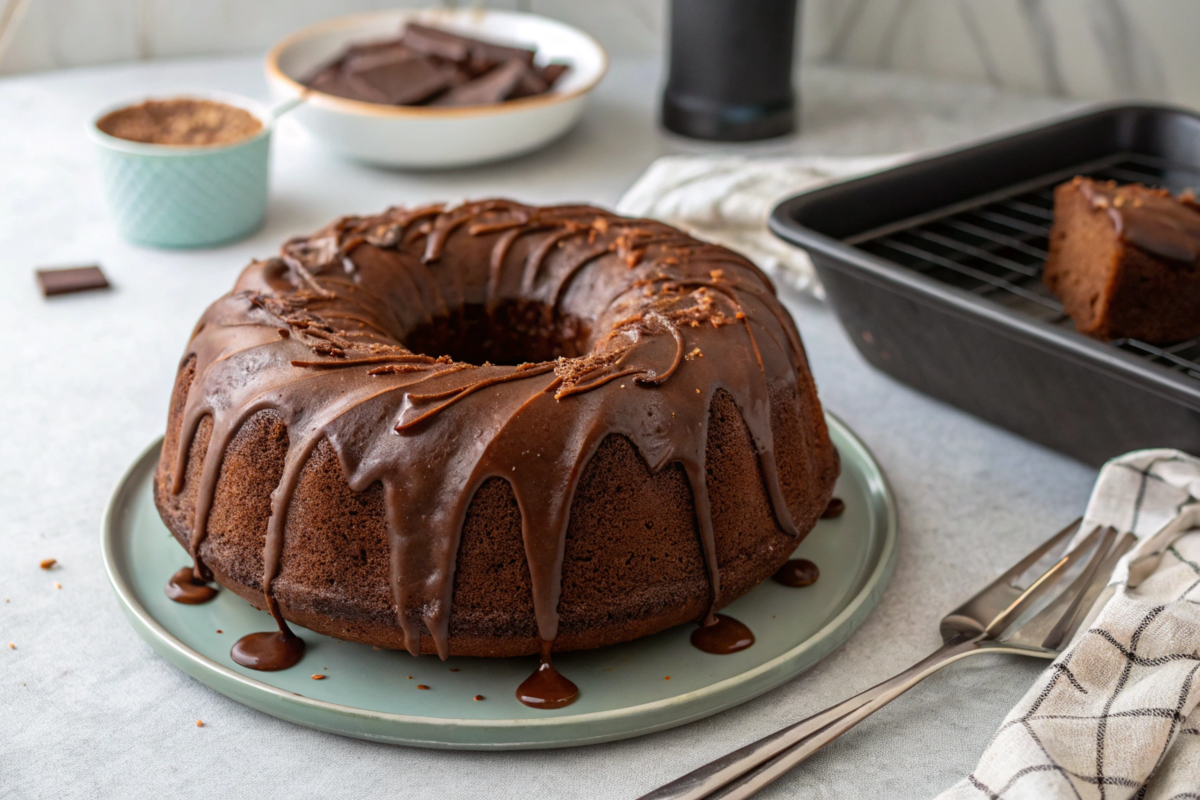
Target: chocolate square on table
[{"x": 64, "y": 280}]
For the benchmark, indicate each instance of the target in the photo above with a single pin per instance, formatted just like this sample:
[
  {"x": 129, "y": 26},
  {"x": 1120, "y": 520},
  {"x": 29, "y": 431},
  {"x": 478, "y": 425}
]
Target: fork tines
[{"x": 1056, "y": 623}]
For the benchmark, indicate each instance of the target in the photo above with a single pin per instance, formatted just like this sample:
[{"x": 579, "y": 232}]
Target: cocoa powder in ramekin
[{"x": 181, "y": 121}]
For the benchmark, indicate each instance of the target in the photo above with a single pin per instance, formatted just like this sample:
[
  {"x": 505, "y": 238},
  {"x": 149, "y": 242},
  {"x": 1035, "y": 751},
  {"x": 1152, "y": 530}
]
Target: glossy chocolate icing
[
  {"x": 1152, "y": 220},
  {"x": 647, "y": 323}
]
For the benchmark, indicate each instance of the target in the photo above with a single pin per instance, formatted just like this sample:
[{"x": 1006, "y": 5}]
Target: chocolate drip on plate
[
  {"x": 797, "y": 573},
  {"x": 268, "y": 651},
  {"x": 546, "y": 687},
  {"x": 184, "y": 587},
  {"x": 836, "y": 507},
  {"x": 722, "y": 635}
]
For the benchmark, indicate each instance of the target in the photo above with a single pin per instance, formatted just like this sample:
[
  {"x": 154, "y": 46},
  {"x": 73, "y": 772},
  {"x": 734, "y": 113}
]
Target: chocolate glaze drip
[
  {"x": 185, "y": 587},
  {"x": 1150, "y": 219},
  {"x": 546, "y": 687},
  {"x": 268, "y": 651},
  {"x": 665, "y": 320},
  {"x": 722, "y": 635},
  {"x": 797, "y": 573},
  {"x": 836, "y": 507}
]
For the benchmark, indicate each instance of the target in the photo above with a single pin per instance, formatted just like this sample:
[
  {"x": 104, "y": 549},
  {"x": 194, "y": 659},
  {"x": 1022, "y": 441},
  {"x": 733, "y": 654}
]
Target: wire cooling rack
[{"x": 995, "y": 246}]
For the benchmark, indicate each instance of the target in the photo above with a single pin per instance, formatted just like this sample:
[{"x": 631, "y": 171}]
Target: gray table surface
[{"x": 86, "y": 709}]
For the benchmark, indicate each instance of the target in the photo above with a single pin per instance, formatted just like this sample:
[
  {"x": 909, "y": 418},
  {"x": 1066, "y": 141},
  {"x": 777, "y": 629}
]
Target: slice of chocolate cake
[{"x": 1125, "y": 260}]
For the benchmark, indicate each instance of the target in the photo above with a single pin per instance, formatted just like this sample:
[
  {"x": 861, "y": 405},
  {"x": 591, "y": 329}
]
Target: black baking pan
[{"x": 934, "y": 269}]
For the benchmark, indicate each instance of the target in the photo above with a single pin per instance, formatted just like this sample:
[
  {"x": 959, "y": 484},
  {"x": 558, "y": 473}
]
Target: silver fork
[{"x": 996, "y": 620}]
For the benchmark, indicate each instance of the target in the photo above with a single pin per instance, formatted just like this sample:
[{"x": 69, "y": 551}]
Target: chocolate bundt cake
[{"x": 472, "y": 431}]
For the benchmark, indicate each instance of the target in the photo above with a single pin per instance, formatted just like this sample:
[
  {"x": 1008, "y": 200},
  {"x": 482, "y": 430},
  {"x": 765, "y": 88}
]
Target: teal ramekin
[{"x": 185, "y": 196}]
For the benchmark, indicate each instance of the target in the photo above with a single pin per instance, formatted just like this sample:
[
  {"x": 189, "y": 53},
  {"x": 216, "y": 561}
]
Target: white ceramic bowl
[{"x": 422, "y": 137}]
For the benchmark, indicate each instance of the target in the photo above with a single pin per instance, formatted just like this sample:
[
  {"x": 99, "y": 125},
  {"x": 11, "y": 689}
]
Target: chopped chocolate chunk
[
  {"x": 529, "y": 84},
  {"x": 434, "y": 42},
  {"x": 552, "y": 72},
  {"x": 334, "y": 81},
  {"x": 408, "y": 81},
  {"x": 479, "y": 55},
  {"x": 429, "y": 66},
  {"x": 391, "y": 52},
  {"x": 63, "y": 280},
  {"x": 492, "y": 87}
]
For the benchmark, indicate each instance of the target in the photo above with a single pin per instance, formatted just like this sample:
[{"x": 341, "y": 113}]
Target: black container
[
  {"x": 730, "y": 69},
  {"x": 934, "y": 269}
]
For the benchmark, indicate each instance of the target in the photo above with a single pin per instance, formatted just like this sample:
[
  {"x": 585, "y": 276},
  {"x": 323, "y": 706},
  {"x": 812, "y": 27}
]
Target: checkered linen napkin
[
  {"x": 1115, "y": 716},
  {"x": 726, "y": 200}
]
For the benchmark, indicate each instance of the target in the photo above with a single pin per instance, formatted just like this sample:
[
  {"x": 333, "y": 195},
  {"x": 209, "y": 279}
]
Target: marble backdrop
[{"x": 1083, "y": 48}]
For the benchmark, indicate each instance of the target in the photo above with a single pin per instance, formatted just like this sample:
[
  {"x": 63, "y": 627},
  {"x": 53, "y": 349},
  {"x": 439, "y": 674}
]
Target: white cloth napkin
[
  {"x": 1115, "y": 716},
  {"x": 726, "y": 200}
]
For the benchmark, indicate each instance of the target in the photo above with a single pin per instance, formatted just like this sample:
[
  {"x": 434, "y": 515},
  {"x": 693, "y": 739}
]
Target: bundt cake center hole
[{"x": 511, "y": 333}]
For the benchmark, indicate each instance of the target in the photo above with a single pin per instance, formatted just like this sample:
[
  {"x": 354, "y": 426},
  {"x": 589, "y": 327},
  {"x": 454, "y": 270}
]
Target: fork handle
[{"x": 800, "y": 740}]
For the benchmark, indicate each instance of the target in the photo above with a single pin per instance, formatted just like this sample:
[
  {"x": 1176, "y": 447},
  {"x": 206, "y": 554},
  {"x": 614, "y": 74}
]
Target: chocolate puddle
[
  {"x": 268, "y": 651},
  {"x": 185, "y": 588},
  {"x": 546, "y": 687},
  {"x": 797, "y": 573},
  {"x": 836, "y": 507},
  {"x": 722, "y": 635}
]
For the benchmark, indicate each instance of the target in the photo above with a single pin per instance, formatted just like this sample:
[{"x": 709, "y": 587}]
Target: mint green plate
[{"x": 623, "y": 690}]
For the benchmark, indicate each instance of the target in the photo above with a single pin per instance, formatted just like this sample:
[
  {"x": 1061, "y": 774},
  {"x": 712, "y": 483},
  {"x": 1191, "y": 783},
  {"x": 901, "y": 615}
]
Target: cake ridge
[{"x": 277, "y": 342}]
